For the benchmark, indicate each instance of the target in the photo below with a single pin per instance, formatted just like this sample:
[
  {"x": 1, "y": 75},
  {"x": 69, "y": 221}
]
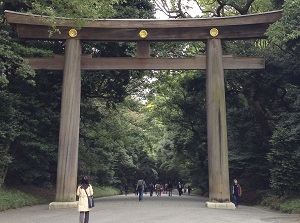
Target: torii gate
[{"x": 144, "y": 31}]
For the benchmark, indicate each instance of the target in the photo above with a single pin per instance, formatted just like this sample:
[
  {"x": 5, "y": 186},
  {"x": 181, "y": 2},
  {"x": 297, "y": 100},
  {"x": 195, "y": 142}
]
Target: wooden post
[
  {"x": 216, "y": 124},
  {"x": 69, "y": 124},
  {"x": 143, "y": 49}
]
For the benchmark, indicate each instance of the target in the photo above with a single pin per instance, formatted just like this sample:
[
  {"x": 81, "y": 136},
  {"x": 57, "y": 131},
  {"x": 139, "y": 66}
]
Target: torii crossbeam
[{"x": 144, "y": 31}]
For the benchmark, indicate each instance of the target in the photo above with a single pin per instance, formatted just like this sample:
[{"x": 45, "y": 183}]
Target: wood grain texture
[
  {"x": 218, "y": 170},
  {"x": 144, "y": 63},
  {"x": 235, "y": 27},
  {"x": 259, "y": 18},
  {"x": 143, "y": 49},
  {"x": 69, "y": 124}
]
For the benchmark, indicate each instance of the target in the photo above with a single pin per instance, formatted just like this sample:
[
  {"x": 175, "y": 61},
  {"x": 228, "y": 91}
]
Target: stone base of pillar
[
  {"x": 227, "y": 205},
  {"x": 61, "y": 205}
]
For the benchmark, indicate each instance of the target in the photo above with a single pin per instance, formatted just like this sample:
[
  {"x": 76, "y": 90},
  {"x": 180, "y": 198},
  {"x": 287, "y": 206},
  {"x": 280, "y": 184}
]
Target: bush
[
  {"x": 283, "y": 204},
  {"x": 27, "y": 196},
  {"x": 105, "y": 191},
  {"x": 11, "y": 199},
  {"x": 251, "y": 197},
  {"x": 291, "y": 206}
]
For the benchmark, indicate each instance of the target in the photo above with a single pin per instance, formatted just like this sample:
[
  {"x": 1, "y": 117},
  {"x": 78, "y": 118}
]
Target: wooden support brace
[{"x": 144, "y": 63}]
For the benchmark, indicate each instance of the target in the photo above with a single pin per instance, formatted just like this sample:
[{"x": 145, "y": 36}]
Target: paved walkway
[{"x": 165, "y": 209}]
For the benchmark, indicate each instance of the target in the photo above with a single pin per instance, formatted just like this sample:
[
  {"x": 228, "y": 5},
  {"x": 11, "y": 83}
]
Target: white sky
[{"x": 193, "y": 11}]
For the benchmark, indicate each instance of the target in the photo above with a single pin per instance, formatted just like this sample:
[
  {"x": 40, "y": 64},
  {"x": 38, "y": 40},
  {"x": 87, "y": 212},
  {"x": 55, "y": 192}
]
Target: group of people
[
  {"x": 159, "y": 188},
  {"x": 85, "y": 190}
]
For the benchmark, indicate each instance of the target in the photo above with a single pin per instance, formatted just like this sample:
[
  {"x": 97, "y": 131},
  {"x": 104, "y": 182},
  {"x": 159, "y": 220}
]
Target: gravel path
[{"x": 164, "y": 209}]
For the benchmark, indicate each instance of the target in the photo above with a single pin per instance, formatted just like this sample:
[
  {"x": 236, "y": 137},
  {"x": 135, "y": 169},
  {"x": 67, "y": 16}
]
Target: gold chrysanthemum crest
[
  {"x": 143, "y": 34},
  {"x": 72, "y": 33},
  {"x": 214, "y": 32}
]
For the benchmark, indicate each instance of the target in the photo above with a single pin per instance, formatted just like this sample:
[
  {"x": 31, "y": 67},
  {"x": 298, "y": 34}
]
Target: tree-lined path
[{"x": 165, "y": 209}]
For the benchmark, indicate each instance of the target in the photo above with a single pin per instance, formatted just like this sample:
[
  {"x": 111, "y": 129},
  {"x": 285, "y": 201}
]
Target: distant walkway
[{"x": 165, "y": 209}]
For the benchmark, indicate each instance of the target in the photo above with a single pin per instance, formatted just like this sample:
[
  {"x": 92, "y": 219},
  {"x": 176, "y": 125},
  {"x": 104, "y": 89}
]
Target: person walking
[
  {"x": 151, "y": 188},
  {"x": 166, "y": 188},
  {"x": 179, "y": 188},
  {"x": 170, "y": 188},
  {"x": 236, "y": 192},
  {"x": 189, "y": 189},
  {"x": 140, "y": 187},
  {"x": 135, "y": 190},
  {"x": 84, "y": 190},
  {"x": 158, "y": 189}
]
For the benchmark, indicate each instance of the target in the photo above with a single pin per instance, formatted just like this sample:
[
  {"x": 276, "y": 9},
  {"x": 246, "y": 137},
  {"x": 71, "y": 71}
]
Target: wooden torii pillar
[{"x": 144, "y": 31}]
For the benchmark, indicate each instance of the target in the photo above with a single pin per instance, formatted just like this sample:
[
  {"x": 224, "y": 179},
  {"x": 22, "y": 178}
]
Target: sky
[{"x": 193, "y": 11}]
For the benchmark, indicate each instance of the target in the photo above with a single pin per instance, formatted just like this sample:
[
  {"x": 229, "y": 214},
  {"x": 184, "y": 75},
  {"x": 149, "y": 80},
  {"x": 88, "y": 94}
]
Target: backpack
[{"x": 240, "y": 191}]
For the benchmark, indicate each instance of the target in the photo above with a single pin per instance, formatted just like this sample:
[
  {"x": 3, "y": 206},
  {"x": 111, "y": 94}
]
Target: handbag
[{"x": 90, "y": 200}]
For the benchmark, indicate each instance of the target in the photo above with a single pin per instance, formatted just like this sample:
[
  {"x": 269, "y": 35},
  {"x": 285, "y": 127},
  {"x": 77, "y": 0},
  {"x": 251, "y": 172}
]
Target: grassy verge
[
  {"x": 10, "y": 199},
  {"x": 28, "y": 196},
  {"x": 283, "y": 204},
  {"x": 105, "y": 191},
  {"x": 288, "y": 204}
]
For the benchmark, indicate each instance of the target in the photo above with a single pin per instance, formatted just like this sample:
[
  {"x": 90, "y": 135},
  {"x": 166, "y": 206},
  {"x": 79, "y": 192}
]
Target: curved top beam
[{"x": 233, "y": 27}]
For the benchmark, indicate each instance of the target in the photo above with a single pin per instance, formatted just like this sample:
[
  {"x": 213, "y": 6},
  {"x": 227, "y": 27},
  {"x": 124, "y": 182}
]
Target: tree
[
  {"x": 178, "y": 103},
  {"x": 285, "y": 33},
  {"x": 39, "y": 104},
  {"x": 74, "y": 8},
  {"x": 284, "y": 154},
  {"x": 207, "y": 8},
  {"x": 14, "y": 71},
  {"x": 115, "y": 147}
]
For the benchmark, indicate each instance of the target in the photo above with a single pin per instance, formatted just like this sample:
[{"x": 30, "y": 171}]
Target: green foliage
[
  {"x": 115, "y": 149},
  {"x": 178, "y": 104},
  {"x": 286, "y": 204},
  {"x": 233, "y": 7},
  {"x": 134, "y": 9},
  {"x": 247, "y": 149},
  {"x": 105, "y": 191},
  {"x": 15, "y": 74},
  {"x": 8, "y": 131},
  {"x": 11, "y": 63},
  {"x": 284, "y": 156},
  {"x": 278, "y": 3},
  {"x": 285, "y": 32},
  {"x": 36, "y": 106},
  {"x": 256, "y": 100},
  {"x": 291, "y": 206},
  {"x": 75, "y": 8},
  {"x": 27, "y": 196},
  {"x": 11, "y": 199}
]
